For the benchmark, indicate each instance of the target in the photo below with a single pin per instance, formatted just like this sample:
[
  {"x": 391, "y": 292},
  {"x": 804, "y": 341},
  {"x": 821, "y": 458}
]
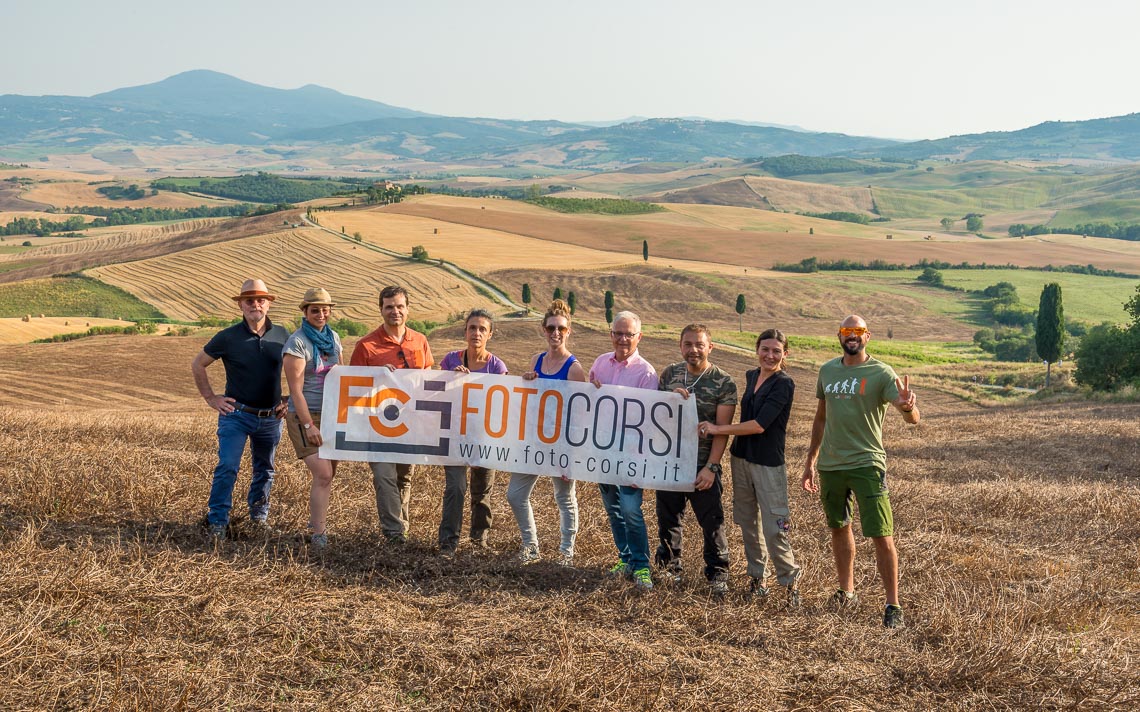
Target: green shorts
[{"x": 840, "y": 489}]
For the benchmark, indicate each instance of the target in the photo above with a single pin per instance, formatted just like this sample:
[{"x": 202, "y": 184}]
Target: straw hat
[
  {"x": 254, "y": 288},
  {"x": 316, "y": 295}
]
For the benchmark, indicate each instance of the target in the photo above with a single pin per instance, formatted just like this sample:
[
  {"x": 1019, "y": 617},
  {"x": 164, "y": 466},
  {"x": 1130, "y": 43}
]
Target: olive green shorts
[{"x": 839, "y": 490}]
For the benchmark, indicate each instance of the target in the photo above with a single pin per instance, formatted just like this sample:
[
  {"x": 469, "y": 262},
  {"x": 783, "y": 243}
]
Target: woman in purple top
[
  {"x": 475, "y": 358},
  {"x": 555, "y": 363}
]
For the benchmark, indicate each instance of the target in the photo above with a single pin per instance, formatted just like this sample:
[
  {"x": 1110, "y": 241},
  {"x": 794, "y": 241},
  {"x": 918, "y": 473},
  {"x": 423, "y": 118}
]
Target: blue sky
[{"x": 879, "y": 67}]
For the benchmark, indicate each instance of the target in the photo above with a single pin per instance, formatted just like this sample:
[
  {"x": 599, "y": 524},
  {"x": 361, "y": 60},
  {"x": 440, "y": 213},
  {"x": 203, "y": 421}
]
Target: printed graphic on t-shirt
[{"x": 847, "y": 387}]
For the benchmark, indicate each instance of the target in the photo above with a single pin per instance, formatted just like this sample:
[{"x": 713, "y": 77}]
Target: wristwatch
[
  {"x": 306, "y": 426},
  {"x": 714, "y": 468}
]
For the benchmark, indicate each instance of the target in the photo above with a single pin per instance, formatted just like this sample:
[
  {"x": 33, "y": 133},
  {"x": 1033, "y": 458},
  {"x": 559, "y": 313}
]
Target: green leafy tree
[
  {"x": 974, "y": 223},
  {"x": 740, "y": 307},
  {"x": 645, "y": 250},
  {"x": 572, "y": 302},
  {"x": 947, "y": 223},
  {"x": 1050, "y": 337},
  {"x": 931, "y": 276},
  {"x": 526, "y": 296},
  {"x": 419, "y": 252},
  {"x": 533, "y": 192}
]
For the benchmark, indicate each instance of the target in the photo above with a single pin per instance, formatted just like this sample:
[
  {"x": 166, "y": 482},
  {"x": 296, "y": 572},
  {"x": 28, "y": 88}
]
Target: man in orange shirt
[{"x": 393, "y": 345}]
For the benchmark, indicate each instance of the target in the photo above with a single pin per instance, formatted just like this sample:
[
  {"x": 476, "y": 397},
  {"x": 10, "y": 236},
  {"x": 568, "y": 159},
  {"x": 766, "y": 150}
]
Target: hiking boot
[
  {"x": 757, "y": 591},
  {"x": 619, "y": 570},
  {"x": 217, "y": 532},
  {"x": 529, "y": 555},
  {"x": 718, "y": 586},
  {"x": 566, "y": 560},
  {"x": 844, "y": 599},
  {"x": 396, "y": 539},
  {"x": 319, "y": 542},
  {"x": 792, "y": 591},
  {"x": 643, "y": 579},
  {"x": 671, "y": 573},
  {"x": 447, "y": 553},
  {"x": 893, "y": 616}
]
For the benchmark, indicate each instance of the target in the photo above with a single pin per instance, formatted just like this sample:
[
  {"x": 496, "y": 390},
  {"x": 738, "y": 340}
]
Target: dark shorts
[{"x": 840, "y": 490}]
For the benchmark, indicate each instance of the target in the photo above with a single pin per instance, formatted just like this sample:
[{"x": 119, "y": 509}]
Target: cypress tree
[{"x": 1050, "y": 326}]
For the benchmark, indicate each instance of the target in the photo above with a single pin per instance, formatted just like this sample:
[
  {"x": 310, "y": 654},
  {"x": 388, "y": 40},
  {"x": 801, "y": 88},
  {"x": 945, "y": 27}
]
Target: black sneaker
[
  {"x": 893, "y": 616},
  {"x": 844, "y": 599},
  {"x": 718, "y": 586},
  {"x": 757, "y": 591},
  {"x": 671, "y": 573}
]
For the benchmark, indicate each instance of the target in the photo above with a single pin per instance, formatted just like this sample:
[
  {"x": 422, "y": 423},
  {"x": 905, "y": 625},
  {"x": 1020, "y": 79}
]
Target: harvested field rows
[
  {"x": 481, "y": 250},
  {"x": 1016, "y": 531},
  {"x": 17, "y": 331},
  {"x": 672, "y": 236},
  {"x": 111, "y": 238},
  {"x": 80, "y": 193},
  {"x": 189, "y": 283}
]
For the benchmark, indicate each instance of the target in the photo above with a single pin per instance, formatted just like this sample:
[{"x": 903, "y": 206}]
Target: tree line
[
  {"x": 1117, "y": 231},
  {"x": 814, "y": 264}
]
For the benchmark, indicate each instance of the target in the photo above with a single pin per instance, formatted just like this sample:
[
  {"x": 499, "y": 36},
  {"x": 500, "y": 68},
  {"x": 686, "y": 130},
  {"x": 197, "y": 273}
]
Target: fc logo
[{"x": 392, "y": 405}]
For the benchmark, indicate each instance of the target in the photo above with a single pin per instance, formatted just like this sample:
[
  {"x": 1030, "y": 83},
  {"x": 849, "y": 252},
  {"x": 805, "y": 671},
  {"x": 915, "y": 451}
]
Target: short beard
[{"x": 848, "y": 350}]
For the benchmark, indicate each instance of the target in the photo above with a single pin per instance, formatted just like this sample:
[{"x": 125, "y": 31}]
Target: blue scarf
[{"x": 322, "y": 340}]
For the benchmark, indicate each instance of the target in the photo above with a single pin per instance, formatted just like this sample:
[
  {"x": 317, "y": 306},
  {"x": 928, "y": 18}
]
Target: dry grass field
[
  {"x": 189, "y": 283},
  {"x": 18, "y": 331},
  {"x": 75, "y": 193},
  {"x": 104, "y": 239},
  {"x": 778, "y": 194},
  {"x": 1017, "y": 537},
  {"x": 674, "y": 236}
]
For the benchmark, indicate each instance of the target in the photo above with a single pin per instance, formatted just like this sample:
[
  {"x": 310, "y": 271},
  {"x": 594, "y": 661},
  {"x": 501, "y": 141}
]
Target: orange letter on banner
[
  {"x": 371, "y": 401},
  {"x": 487, "y": 412},
  {"x": 347, "y": 401},
  {"x": 526, "y": 393},
  {"x": 464, "y": 409},
  {"x": 557, "y": 417}
]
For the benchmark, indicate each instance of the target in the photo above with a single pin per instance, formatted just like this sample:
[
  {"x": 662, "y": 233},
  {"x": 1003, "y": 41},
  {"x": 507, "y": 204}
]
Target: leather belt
[{"x": 260, "y": 413}]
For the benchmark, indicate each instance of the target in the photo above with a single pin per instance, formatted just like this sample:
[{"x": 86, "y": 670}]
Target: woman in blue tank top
[{"x": 556, "y": 363}]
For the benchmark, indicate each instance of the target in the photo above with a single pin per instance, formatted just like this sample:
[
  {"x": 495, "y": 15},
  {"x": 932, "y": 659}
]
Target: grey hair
[{"x": 629, "y": 316}]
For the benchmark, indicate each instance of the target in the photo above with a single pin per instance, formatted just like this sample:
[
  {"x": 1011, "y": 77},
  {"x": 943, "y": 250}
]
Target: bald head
[{"x": 853, "y": 321}]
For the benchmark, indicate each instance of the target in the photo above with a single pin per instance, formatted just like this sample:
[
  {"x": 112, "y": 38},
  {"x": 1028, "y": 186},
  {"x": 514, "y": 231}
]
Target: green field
[
  {"x": 895, "y": 353},
  {"x": 1086, "y": 298},
  {"x": 1109, "y": 211},
  {"x": 72, "y": 296}
]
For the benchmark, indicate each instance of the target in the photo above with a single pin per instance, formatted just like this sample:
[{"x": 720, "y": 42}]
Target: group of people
[{"x": 846, "y": 463}]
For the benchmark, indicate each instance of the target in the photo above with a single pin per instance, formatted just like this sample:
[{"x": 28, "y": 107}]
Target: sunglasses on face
[
  {"x": 551, "y": 328},
  {"x": 250, "y": 301},
  {"x": 846, "y": 331}
]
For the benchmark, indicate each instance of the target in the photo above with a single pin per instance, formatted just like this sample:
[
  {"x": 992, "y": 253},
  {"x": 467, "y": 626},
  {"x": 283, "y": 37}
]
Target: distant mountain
[
  {"x": 693, "y": 141},
  {"x": 205, "y": 93},
  {"x": 205, "y": 107},
  {"x": 1116, "y": 138}
]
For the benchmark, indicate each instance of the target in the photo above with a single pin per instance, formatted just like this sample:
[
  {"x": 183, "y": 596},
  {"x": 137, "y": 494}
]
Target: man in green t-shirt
[{"x": 847, "y": 452}]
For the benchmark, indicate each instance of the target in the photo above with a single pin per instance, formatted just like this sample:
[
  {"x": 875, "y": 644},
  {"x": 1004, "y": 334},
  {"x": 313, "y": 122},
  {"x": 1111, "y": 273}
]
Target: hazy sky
[{"x": 891, "y": 68}]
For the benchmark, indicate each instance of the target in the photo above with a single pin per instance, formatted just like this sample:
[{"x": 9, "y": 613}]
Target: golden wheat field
[
  {"x": 482, "y": 250},
  {"x": 674, "y": 236},
  {"x": 77, "y": 193},
  {"x": 15, "y": 330},
  {"x": 1017, "y": 533},
  {"x": 189, "y": 283},
  {"x": 108, "y": 238}
]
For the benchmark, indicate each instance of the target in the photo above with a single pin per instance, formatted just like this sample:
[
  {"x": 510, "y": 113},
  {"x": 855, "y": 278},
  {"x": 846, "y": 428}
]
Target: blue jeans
[
  {"x": 233, "y": 430},
  {"x": 623, "y": 507}
]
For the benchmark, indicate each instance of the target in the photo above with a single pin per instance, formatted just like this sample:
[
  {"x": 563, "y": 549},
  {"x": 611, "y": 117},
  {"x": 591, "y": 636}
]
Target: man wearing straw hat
[{"x": 251, "y": 408}]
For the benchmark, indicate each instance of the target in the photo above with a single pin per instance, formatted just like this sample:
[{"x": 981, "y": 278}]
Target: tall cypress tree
[
  {"x": 740, "y": 307},
  {"x": 1050, "y": 326},
  {"x": 526, "y": 296}
]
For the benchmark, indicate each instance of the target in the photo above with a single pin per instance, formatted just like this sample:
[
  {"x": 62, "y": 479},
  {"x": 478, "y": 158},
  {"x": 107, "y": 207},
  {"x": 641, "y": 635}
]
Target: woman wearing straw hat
[{"x": 309, "y": 354}]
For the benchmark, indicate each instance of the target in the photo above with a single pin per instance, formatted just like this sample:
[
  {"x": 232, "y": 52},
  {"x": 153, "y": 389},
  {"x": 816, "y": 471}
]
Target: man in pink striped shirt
[{"x": 624, "y": 366}]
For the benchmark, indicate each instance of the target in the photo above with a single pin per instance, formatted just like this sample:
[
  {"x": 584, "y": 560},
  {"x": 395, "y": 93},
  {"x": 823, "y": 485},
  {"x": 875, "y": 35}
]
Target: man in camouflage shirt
[{"x": 715, "y": 392}]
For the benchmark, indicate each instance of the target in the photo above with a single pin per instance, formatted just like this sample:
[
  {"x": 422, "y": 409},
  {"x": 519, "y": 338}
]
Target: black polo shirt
[
  {"x": 770, "y": 407},
  {"x": 253, "y": 363}
]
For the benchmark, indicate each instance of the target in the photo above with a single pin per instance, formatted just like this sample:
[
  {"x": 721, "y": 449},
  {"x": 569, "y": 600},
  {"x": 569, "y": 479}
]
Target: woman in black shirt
[{"x": 759, "y": 479}]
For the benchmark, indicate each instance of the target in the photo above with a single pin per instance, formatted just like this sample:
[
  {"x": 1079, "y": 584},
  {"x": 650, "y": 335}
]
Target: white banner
[{"x": 612, "y": 434}]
